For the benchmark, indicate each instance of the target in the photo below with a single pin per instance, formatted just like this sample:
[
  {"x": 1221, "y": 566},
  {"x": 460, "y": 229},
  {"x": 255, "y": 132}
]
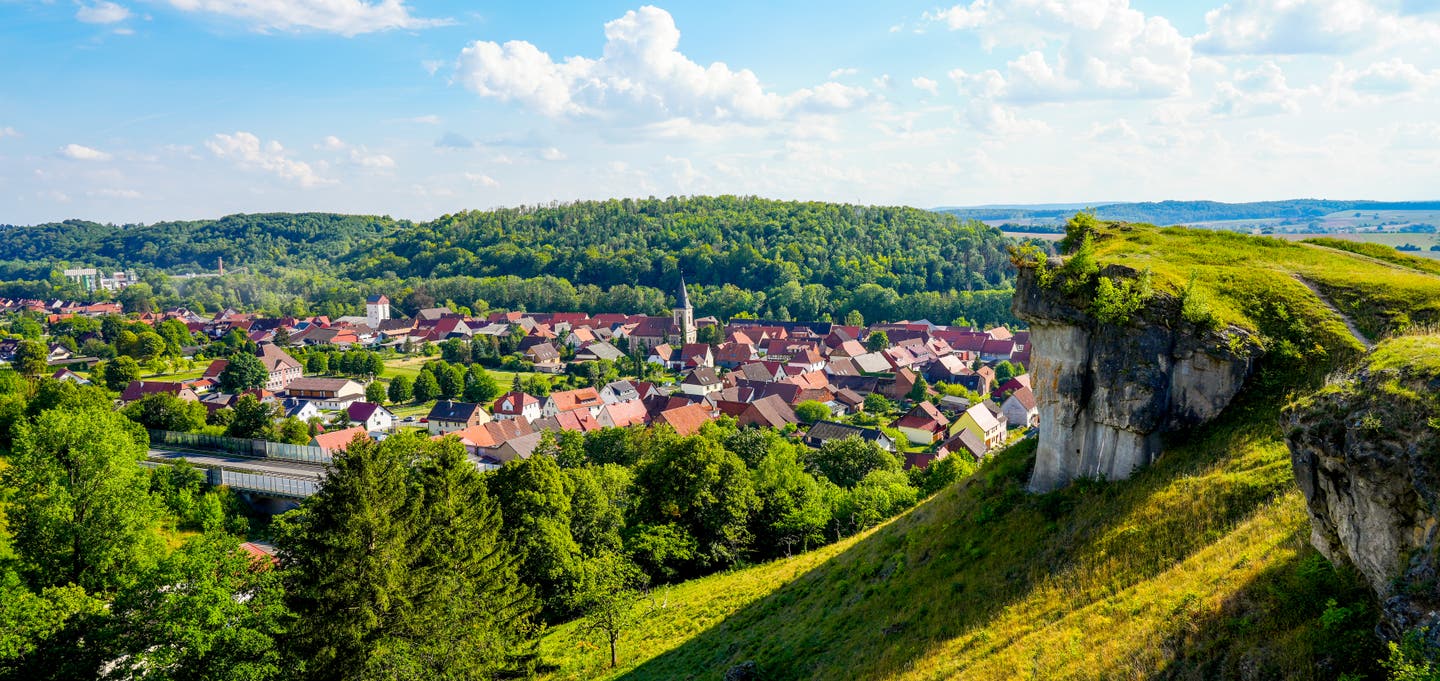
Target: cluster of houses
[
  {"x": 56, "y": 310},
  {"x": 758, "y": 373}
]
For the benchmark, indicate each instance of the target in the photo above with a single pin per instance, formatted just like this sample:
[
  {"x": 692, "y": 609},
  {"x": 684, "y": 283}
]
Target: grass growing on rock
[{"x": 1256, "y": 282}]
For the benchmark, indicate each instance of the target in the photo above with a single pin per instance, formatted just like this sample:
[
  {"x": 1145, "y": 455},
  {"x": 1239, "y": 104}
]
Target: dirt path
[{"x": 1349, "y": 323}]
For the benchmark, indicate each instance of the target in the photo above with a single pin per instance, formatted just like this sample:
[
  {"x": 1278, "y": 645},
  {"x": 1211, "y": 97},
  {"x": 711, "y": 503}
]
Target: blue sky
[{"x": 131, "y": 110}]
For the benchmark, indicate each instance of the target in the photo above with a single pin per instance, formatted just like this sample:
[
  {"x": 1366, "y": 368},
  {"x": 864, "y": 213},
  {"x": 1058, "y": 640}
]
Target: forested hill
[
  {"x": 285, "y": 239},
  {"x": 751, "y": 243},
  {"x": 741, "y": 255}
]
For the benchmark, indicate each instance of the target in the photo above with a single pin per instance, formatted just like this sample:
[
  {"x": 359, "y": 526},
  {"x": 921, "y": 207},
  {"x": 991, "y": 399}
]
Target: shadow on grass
[
  {"x": 1298, "y": 618},
  {"x": 947, "y": 568}
]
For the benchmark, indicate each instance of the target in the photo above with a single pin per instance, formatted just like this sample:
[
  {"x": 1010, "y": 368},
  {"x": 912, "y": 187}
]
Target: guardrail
[
  {"x": 259, "y": 449},
  {"x": 264, "y": 482}
]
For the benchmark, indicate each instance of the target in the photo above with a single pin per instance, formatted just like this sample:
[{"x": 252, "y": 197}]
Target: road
[{"x": 289, "y": 469}]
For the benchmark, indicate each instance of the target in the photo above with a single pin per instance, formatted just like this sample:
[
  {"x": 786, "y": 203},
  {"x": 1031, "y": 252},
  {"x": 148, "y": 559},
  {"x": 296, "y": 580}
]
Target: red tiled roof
[
  {"x": 569, "y": 400},
  {"x": 340, "y": 439},
  {"x": 686, "y": 420}
]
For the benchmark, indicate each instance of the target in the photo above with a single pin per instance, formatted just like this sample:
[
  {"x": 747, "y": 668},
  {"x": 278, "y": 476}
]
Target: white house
[
  {"x": 517, "y": 405},
  {"x": 1020, "y": 409},
  {"x": 702, "y": 381},
  {"x": 373, "y": 417}
]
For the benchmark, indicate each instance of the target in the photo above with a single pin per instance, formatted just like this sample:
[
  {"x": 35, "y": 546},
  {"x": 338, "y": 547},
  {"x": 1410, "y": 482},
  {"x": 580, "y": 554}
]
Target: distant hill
[
  {"x": 281, "y": 239},
  {"x": 1186, "y": 212},
  {"x": 741, "y": 255}
]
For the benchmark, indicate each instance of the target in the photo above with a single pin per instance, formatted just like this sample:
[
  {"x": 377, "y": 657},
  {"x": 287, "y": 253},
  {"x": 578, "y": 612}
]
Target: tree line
[{"x": 742, "y": 255}]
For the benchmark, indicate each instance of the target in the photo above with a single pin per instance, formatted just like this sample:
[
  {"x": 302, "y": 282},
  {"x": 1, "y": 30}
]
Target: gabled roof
[
  {"x": 337, "y": 440},
  {"x": 872, "y": 363},
  {"x": 825, "y": 431},
  {"x": 983, "y": 417},
  {"x": 445, "y": 410},
  {"x": 362, "y": 411},
  {"x": 138, "y": 389},
  {"x": 968, "y": 442},
  {"x": 318, "y": 384},
  {"x": 601, "y": 350},
  {"x": 517, "y": 402},
  {"x": 543, "y": 352},
  {"x": 686, "y": 420},
  {"x": 1025, "y": 397},
  {"x": 569, "y": 400},
  {"x": 655, "y": 327},
  {"x": 493, "y": 434},
  {"x": 770, "y": 411},
  {"x": 923, "y": 416},
  {"x": 578, "y": 420},
  {"x": 276, "y": 359},
  {"x": 627, "y": 413},
  {"x": 703, "y": 376}
]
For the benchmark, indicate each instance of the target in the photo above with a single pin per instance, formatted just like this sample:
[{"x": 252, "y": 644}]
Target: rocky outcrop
[
  {"x": 1108, "y": 392},
  {"x": 1366, "y": 452}
]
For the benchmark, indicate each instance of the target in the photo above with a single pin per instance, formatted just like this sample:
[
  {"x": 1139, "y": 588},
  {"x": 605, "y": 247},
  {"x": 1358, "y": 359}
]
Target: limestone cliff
[
  {"x": 1366, "y": 452},
  {"x": 1107, "y": 392}
]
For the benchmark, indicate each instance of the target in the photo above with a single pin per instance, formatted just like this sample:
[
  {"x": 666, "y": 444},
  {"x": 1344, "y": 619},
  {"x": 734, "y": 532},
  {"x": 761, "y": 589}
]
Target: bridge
[
  {"x": 263, "y": 469},
  {"x": 265, "y": 477}
]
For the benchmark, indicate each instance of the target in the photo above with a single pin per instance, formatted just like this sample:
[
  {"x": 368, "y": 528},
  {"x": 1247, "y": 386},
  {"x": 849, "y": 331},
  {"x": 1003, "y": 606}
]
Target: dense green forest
[
  {"x": 802, "y": 260},
  {"x": 1186, "y": 212}
]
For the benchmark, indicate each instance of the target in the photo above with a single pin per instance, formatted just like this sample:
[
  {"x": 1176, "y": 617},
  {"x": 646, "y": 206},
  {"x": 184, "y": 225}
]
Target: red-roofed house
[
  {"x": 587, "y": 399},
  {"x": 338, "y": 440},
  {"x": 517, "y": 405},
  {"x": 139, "y": 389},
  {"x": 923, "y": 424},
  {"x": 686, "y": 420}
]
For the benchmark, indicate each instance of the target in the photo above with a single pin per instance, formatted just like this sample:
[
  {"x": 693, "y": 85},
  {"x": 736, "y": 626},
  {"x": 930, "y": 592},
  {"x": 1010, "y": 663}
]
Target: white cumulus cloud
[
  {"x": 1306, "y": 27},
  {"x": 102, "y": 12},
  {"x": 1263, "y": 91},
  {"x": 1386, "y": 79},
  {"x": 1086, "y": 49},
  {"x": 552, "y": 154},
  {"x": 345, "y": 17},
  {"x": 927, "y": 85},
  {"x": 641, "y": 72},
  {"x": 482, "y": 180},
  {"x": 83, "y": 153},
  {"x": 245, "y": 149}
]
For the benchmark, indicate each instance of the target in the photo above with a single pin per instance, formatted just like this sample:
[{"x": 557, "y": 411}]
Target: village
[{"x": 919, "y": 390}]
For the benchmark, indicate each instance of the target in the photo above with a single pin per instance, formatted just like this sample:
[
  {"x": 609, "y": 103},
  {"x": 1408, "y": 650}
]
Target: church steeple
[
  {"x": 684, "y": 314},
  {"x": 683, "y": 300}
]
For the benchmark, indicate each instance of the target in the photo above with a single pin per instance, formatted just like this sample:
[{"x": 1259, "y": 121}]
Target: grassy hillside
[
  {"x": 1198, "y": 567},
  {"x": 1195, "y": 568}
]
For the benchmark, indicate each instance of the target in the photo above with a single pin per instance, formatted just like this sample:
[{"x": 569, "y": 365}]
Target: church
[{"x": 677, "y": 329}]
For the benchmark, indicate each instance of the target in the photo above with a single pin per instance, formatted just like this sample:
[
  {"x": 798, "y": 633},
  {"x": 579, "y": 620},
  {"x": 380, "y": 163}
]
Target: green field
[
  {"x": 1424, "y": 241},
  {"x": 410, "y": 366}
]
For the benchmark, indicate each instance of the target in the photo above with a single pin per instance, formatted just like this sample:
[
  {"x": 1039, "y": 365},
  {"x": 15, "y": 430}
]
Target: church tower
[
  {"x": 684, "y": 314},
  {"x": 377, "y": 309}
]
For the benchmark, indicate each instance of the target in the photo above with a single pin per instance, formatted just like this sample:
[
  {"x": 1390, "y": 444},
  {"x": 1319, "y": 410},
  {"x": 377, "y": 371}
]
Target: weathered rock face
[
  {"x": 1367, "y": 456},
  {"x": 1106, "y": 393}
]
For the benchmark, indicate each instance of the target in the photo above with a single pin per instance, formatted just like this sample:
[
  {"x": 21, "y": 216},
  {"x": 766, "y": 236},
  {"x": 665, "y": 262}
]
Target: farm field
[{"x": 1424, "y": 241}]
